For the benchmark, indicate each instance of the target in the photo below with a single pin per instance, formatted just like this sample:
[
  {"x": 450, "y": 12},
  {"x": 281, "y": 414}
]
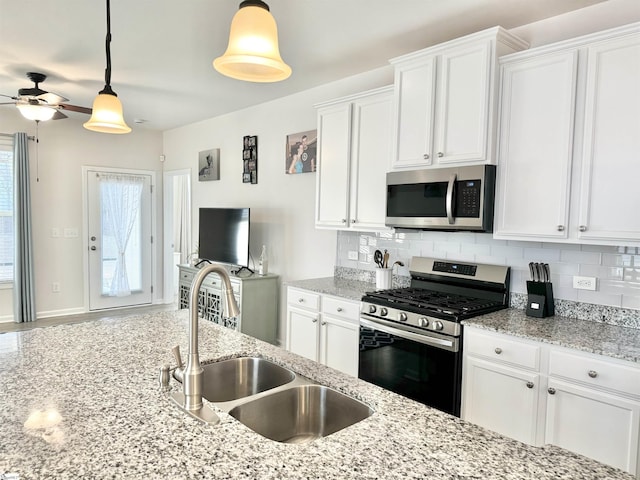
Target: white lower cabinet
[
  {"x": 588, "y": 404},
  {"x": 323, "y": 328}
]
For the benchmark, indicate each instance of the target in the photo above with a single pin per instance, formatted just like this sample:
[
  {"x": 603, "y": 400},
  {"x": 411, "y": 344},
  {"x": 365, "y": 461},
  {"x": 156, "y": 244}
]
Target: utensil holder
[
  {"x": 383, "y": 278},
  {"x": 540, "y": 300}
]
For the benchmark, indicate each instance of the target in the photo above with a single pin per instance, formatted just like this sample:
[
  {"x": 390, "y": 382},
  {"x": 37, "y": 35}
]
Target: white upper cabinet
[
  {"x": 445, "y": 100},
  {"x": 354, "y": 150},
  {"x": 535, "y": 146},
  {"x": 569, "y": 141}
]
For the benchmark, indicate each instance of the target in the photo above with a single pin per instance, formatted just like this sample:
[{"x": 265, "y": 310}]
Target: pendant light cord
[{"x": 107, "y": 71}]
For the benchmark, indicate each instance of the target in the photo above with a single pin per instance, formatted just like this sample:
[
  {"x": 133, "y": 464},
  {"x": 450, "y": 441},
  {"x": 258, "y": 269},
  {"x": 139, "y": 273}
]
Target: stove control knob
[
  {"x": 383, "y": 312},
  {"x": 402, "y": 317},
  {"x": 437, "y": 325},
  {"x": 372, "y": 309},
  {"x": 423, "y": 322}
]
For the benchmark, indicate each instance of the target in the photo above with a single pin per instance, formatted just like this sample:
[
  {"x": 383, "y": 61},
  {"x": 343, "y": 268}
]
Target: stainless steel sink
[
  {"x": 242, "y": 377},
  {"x": 300, "y": 414}
]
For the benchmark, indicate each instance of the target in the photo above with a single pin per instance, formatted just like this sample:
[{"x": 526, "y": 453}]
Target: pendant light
[
  {"x": 252, "y": 53},
  {"x": 106, "y": 116}
]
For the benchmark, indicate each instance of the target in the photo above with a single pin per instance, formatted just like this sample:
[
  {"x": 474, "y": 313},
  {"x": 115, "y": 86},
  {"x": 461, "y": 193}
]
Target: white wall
[{"x": 64, "y": 147}]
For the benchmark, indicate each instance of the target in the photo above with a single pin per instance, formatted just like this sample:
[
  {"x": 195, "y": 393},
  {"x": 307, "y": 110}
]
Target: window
[{"x": 6, "y": 209}]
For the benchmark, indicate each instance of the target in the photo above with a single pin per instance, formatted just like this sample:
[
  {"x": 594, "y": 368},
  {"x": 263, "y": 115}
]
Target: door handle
[
  {"x": 93, "y": 247},
  {"x": 93, "y": 239},
  {"x": 449, "y": 205}
]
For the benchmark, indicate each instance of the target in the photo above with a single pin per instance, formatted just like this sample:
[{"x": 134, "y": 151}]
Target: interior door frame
[
  {"x": 85, "y": 228},
  {"x": 167, "y": 222}
]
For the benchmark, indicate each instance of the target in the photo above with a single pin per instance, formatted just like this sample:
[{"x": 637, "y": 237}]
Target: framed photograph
[
  {"x": 301, "y": 152},
  {"x": 209, "y": 165},
  {"x": 250, "y": 159}
]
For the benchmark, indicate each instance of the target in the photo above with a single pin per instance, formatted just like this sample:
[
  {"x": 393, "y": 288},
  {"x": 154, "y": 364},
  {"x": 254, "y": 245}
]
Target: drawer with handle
[
  {"x": 502, "y": 348},
  {"x": 303, "y": 299},
  {"x": 600, "y": 372},
  {"x": 339, "y": 307}
]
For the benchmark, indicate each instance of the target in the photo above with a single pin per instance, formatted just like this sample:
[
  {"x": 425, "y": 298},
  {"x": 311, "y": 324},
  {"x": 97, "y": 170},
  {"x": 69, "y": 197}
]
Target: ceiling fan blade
[
  {"x": 8, "y": 96},
  {"x": 75, "y": 108},
  {"x": 58, "y": 115},
  {"x": 8, "y": 103},
  {"x": 31, "y": 92},
  {"x": 52, "y": 98}
]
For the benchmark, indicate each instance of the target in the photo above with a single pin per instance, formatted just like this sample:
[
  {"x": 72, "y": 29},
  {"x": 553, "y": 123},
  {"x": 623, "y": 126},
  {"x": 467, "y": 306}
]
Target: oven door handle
[
  {"x": 452, "y": 183},
  {"x": 436, "y": 342}
]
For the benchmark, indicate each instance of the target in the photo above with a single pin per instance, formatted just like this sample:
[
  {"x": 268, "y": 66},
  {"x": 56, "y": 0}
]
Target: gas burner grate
[{"x": 432, "y": 300}]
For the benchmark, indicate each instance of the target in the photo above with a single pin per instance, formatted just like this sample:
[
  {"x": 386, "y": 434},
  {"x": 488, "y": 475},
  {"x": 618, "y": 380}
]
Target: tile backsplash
[{"x": 617, "y": 269}]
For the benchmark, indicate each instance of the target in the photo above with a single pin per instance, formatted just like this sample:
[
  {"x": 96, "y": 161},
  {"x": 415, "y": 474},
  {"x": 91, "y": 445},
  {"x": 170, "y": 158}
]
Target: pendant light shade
[
  {"x": 252, "y": 53},
  {"x": 40, "y": 113},
  {"x": 106, "y": 115}
]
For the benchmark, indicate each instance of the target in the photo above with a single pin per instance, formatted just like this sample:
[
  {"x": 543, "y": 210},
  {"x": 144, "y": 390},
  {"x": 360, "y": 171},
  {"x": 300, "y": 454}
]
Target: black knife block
[{"x": 540, "y": 300}]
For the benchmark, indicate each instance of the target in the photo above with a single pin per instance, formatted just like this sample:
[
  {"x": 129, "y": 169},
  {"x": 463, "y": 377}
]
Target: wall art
[
  {"x": 250, "y": 159},
  {"x": 209, "y": 165},
  {"x": 301, "y": 152}
]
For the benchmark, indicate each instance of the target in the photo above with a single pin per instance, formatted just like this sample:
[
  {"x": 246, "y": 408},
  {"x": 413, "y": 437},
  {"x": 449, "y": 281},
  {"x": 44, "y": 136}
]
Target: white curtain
[
  {"x": 121, "y": 195},
  {"x": 181, "y": 217}
]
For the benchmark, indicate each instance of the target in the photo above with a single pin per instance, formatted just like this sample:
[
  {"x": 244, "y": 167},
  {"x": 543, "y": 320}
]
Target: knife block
[{"x": 540, "y": 299}]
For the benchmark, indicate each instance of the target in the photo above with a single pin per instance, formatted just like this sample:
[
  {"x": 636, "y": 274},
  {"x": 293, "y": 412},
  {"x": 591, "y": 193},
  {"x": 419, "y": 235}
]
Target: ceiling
[{"x": 162, "y": 50}]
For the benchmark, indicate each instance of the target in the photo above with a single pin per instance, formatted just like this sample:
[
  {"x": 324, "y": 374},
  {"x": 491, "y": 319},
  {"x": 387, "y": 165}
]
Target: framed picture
[
  {"x": 250, "y": 159},
  {"x": 301, "y": 152},
  {"x": 209, "y": 165}
]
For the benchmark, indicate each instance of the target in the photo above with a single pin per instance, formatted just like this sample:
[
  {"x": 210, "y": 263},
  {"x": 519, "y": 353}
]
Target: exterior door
[{"x": 119, "y": 238}]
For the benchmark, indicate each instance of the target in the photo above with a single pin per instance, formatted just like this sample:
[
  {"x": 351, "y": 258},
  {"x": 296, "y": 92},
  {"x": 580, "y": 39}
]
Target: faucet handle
[{"x": 176, "y": 353}]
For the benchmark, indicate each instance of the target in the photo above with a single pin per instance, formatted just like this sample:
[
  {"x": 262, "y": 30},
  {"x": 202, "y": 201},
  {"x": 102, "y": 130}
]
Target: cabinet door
[
  {"x": 302, "y": 333},
  {"x": 598, "y": 425},
  {"x": 370, "y": 159},
  {"x": 535, "y": 147},
  {"x": 502, "y": 399},
  {"x": 414, "y": 109},
  {"x": 609, "y": 193},
  {"x": 463, "y": 93},
  {"x": 332, "y": 177},
  {"x": 339, "y": 344}
]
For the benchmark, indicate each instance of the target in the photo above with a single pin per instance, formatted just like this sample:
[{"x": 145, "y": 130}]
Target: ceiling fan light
[
  {"x": 106, "y": 115},
  {"x": 252, "y": 52},
  {"x": 40, "y": 113}
]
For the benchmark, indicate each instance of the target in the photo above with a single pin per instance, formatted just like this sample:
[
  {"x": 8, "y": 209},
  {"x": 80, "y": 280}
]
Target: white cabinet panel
[
  {"x": 611, "y": 143},
  {"x": 302, "y": 333},
  {"x": 535, "y": 148},
  {"x": 595, "y": 424},
  {"x": 339, "y": 344}
]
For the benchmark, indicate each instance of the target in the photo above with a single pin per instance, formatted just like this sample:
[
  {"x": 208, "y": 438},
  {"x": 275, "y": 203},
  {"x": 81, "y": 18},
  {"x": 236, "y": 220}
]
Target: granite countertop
[
  {"x": 588, "y": 336},
  {"x": 339, "y": 287},
  {"x": 82, "y": 401}
]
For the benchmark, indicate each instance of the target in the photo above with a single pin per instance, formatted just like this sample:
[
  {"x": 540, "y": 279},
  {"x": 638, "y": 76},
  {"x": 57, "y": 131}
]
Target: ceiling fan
[{"x": 40, "y": 105}]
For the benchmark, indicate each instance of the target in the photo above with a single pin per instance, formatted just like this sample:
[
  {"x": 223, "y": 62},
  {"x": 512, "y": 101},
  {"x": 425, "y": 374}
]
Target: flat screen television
[{"x": 224, "y": 235}]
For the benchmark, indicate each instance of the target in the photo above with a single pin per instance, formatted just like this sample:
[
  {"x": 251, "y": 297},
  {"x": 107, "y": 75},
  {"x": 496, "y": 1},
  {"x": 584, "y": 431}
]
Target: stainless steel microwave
[{"x": 460, "y": 198}]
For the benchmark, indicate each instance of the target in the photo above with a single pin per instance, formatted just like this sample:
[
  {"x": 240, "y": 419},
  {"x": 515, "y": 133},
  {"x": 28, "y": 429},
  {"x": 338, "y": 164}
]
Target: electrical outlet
[
  {"x": 55, "y": 232},
  {"x": 70, "y": 232},
  {"x": 55, "y": 287},
  {"x": 584, "y": 283},
  {"x": 353, "y": 255}
]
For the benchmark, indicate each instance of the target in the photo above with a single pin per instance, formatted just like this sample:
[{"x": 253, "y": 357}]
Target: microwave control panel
[{"x": 468, "y": 198}]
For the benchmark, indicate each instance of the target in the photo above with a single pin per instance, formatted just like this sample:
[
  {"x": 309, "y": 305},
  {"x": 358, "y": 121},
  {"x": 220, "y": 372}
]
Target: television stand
[{"x": 257, "y": 297}]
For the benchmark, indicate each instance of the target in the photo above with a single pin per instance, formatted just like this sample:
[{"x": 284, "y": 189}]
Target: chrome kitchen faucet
[{"x": 190, "y": 400}]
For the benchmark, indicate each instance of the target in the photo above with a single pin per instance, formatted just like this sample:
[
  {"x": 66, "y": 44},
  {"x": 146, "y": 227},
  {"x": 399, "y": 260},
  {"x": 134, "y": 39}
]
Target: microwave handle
[{"x": 452, "y": 181}]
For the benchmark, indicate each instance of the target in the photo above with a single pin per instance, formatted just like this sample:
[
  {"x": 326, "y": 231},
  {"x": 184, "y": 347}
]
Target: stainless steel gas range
[{"x": 411, "y": 338}]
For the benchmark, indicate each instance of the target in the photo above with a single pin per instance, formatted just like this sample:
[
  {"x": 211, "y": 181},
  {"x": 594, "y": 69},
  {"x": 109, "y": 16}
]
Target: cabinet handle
[
  {"x": 593, "y": 373},
  {"x": 426, "y": 156},
  {"x": 344, "y": 220},
  {"x": 301, "y": 300},
  {"x": 498, "y": 350},
  {"x": 353, "y": 221},
  {"x": 551, "y": 390},
  {"x": 314, "y": 320},
  {"x": 323, "y": 323},
  {"x": 561, "y": 228},
  {"x": 582, "y": 228},
  {"x": 529, "y": 384},
  {"x": 440, "y": 154},
  {"x": 339, "y": 309}
]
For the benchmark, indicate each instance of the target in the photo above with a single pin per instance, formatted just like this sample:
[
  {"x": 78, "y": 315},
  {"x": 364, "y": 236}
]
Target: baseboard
[
  {"x": 6, "y": 318},
  {"x": 60, "y": 313}
]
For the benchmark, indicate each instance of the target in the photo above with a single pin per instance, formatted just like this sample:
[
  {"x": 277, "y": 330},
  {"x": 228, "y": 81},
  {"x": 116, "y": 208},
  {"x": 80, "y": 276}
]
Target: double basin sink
[{"x": 277, "y": 403}]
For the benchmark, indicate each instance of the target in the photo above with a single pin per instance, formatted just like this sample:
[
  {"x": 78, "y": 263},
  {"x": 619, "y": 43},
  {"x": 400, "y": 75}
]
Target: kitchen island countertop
[{"x": 82, "y": 401}]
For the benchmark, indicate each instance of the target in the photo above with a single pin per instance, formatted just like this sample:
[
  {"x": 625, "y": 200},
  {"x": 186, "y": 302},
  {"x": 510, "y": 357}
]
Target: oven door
[{"x": 425, "y": 367}]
